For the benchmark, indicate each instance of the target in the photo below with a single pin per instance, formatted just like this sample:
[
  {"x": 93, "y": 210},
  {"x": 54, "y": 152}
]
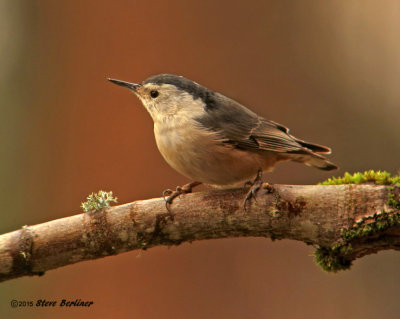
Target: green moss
[
  {"x": 99, "y": 201},
  {"x": 374, "y": 225},
  {"x": 339, "y": 257},
  {"x": 331, "y": 260},
  {"x": 378, "y": 177},
  {"x": 392, "y": 201}
]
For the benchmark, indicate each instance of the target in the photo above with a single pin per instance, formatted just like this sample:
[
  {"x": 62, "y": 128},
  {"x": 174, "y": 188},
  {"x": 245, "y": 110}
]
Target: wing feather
[{"x": 238, "y": 126}]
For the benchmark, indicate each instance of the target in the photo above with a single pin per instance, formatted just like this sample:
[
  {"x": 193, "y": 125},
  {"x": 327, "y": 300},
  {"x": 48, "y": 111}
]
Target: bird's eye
[{"x": 154, "y": 94}]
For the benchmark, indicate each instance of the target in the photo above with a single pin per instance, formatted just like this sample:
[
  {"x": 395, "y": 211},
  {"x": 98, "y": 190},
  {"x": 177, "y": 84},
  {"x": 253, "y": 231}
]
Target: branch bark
[{"x": 345, "y": 222}]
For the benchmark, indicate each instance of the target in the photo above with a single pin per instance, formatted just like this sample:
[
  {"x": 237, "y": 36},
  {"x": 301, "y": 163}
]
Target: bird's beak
[{"x": 131, "y": 86}]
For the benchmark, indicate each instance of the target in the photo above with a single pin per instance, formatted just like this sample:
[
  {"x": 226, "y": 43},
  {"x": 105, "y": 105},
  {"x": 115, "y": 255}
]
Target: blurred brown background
[{"x": 330, "y": 70}]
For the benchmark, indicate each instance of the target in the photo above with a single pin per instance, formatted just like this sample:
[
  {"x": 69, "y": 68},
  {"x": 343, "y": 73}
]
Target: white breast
[
  {"x": 183, "y": 146},
  {"x": 200, "y": 156}
]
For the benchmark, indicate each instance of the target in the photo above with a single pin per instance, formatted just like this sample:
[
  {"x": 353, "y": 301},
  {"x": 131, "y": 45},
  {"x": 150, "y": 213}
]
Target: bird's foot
[
  {"x": 255, "y": 187},
  {"x": 185, "y": 189}
]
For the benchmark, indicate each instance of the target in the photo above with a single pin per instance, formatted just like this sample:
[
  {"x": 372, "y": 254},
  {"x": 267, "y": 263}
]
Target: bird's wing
[
  {"x": 240, "y": 127},
  {"x": 273, "y": 137}
]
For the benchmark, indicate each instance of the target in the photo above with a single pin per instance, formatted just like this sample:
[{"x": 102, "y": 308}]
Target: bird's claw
[
  {"x": 185, "y": 189},
  {"x": 248, "y": 183},
  {"x": 167, "y": 192},
  {"x": 254, "y": 188},
  {"x": 252, "y": 193},
  {"x": 169, "y": 195}
]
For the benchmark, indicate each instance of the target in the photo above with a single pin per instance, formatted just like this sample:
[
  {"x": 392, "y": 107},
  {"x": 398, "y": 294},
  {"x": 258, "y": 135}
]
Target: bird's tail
[{"x": 312, "y": 159}]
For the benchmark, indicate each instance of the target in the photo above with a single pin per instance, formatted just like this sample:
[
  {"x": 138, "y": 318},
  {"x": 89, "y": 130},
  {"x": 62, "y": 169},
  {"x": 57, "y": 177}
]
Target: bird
[{"x": 214, "y": 140}]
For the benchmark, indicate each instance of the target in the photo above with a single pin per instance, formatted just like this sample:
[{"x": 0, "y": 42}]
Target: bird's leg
[
  {"x": 185, "y": 189},
  {"x": 254, "y": 188}
]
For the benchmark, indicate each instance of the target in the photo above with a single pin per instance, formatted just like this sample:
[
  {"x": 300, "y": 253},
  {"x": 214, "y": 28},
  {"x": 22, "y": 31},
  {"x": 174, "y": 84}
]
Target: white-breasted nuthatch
[{"x": 213, "y": 139}]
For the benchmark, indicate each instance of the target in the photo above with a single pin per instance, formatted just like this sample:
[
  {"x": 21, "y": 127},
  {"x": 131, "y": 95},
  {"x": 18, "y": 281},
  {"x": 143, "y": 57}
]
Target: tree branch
[{"x": 345, "y": 222}]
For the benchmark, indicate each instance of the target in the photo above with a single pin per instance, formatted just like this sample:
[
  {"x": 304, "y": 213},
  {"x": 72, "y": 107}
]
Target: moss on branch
[{"x": 340, "y": 256}]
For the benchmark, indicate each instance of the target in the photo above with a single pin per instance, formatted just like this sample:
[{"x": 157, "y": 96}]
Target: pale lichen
[{"x": 95, "y": 202}]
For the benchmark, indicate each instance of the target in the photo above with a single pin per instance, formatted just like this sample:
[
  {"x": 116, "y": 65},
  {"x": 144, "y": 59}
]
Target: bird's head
[{"x": 167, "y": 95}]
